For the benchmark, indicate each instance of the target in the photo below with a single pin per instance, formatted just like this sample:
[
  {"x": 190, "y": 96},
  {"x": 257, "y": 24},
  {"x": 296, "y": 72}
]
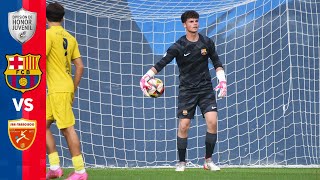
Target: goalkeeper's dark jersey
[{"x": 192, "y": 60}]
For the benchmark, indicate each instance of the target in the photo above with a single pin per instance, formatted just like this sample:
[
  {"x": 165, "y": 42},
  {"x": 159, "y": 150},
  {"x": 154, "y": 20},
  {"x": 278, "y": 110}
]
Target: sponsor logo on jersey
[
  {"x": 22, "y": 25},
  {"x": 22, "y": 133},
  {"x": 204, "y": 52},
  {"x": 23, "y": 72}
]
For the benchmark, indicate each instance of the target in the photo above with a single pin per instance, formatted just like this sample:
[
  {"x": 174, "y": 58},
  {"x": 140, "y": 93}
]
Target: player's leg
[
  {"x": 211, "y": 139},
  {"x": 182, "y": 142},
  {"x": 182, "y": 139},
  {"x": 65, "y": 122},
  {"x": 50, "y": 142},
  {"x": 208, "y": 107},
  {"x": 211, "y": 135},
  {"x": 54, "y": 170},
  {"x": 186, "y": 108},
  {"x": 72, "y": 140},
  {"x": 74, "y": 148}
]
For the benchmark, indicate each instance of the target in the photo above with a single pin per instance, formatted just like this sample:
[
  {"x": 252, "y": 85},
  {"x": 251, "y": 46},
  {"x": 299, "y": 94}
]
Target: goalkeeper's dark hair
[
  {"x": 55, "y": 12},
  {"x": 189, "y": 14}
]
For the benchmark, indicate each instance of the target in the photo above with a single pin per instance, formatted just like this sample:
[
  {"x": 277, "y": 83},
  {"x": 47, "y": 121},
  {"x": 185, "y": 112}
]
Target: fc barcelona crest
[
  {"x": 23, "y": 72},
  {"x": 22, "y": 25},
  {"x": 204, "y": 52},
  {"x": 22, "y": 133}
]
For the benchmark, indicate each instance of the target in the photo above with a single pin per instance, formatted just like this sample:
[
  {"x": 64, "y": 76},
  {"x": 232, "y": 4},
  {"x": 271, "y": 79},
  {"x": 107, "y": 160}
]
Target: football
[{"x": 157, "y": 88}]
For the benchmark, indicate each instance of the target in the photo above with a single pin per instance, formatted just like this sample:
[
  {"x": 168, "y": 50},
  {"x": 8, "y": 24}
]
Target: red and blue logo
[{"x": 23, "y": 72}]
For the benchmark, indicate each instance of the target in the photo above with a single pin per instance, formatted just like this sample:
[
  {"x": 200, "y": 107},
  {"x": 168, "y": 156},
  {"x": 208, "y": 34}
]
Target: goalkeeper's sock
[
  {"x": 78, "y": 164},
  {"x": 182, "y": 155},
  {"x": 182, "y": 144},
  {"x": 211, "y": 140},
  {"x": 54, "y": 161}
]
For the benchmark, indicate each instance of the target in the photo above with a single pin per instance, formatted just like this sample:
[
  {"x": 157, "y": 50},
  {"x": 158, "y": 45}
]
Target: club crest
[
  {"x": 22, "y": 25},
  {"x": 185, "y": 112},
  {"x": 22, "y": 133},
  {"x": 23, "y": 72},
  {"x": 203, "y": 52}
]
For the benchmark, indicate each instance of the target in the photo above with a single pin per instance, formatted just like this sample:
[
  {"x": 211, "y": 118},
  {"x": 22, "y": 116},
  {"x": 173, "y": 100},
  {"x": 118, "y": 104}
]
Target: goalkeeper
[
  {"x": 192, "y": 52},
  {"x": 61, "y": 50}
]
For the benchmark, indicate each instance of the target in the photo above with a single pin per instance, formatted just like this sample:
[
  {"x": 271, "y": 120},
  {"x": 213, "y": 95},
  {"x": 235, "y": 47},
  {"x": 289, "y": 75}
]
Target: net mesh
[
  {"x": 270, "y": 51},
  {"x": 147, "y": 9}
]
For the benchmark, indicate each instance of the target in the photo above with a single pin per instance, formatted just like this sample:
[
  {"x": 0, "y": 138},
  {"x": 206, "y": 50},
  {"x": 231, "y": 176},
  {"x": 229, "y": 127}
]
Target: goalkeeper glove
[
  {"x": 222, "y": 86},
  {"x": 144, "y": 85}
]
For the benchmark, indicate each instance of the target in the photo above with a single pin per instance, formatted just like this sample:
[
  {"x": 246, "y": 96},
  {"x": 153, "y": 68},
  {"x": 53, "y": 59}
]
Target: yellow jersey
[{"x": 61, "y": 49}]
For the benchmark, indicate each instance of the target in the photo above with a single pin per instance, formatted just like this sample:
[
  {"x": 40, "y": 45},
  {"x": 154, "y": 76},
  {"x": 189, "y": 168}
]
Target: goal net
[{"x": 270, "y": 51}]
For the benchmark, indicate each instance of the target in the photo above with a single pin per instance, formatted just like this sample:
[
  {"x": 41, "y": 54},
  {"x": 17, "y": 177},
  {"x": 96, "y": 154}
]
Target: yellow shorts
[{"x": 59, "y": 109}]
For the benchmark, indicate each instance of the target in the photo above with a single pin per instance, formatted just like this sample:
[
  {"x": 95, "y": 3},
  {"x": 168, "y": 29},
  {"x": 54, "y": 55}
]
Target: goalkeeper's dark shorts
[{"x": 187, "y": 103}]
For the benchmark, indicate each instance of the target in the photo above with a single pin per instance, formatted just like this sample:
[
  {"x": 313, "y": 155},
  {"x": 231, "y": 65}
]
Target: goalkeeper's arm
[
  {"x": 166, "y": 59},
  {"x": 144, "y": 85},
  {"x": 78, "y": 72}
]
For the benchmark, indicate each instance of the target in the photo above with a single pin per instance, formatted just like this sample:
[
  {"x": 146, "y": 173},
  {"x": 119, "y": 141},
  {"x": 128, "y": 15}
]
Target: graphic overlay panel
[{"x": 22, "y": 98}]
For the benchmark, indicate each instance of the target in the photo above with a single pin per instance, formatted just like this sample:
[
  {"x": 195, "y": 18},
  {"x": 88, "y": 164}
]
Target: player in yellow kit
[{"x": 62, "y": 50}]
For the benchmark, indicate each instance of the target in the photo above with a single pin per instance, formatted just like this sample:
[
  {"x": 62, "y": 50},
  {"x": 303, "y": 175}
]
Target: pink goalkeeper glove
[
  {"x": 222, "y": 86},
  {"x": 144, "y": 85}
]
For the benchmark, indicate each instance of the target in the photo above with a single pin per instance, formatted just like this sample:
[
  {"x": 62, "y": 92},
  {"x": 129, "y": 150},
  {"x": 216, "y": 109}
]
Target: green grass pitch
[{"x": 199, "y": 174}]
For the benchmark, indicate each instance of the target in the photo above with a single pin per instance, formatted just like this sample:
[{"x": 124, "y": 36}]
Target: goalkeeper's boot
[
  {"x": 181, "y": 166},
  {"x": 209, "y": 165},
  {"x": 53, "y": 174},
  {"x": 78, "y": 176}
]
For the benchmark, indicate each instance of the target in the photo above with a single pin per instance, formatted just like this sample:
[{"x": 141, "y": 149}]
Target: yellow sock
[
  {"x": 78, "y": 163},
  {"x": 54, "y": 159}
]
